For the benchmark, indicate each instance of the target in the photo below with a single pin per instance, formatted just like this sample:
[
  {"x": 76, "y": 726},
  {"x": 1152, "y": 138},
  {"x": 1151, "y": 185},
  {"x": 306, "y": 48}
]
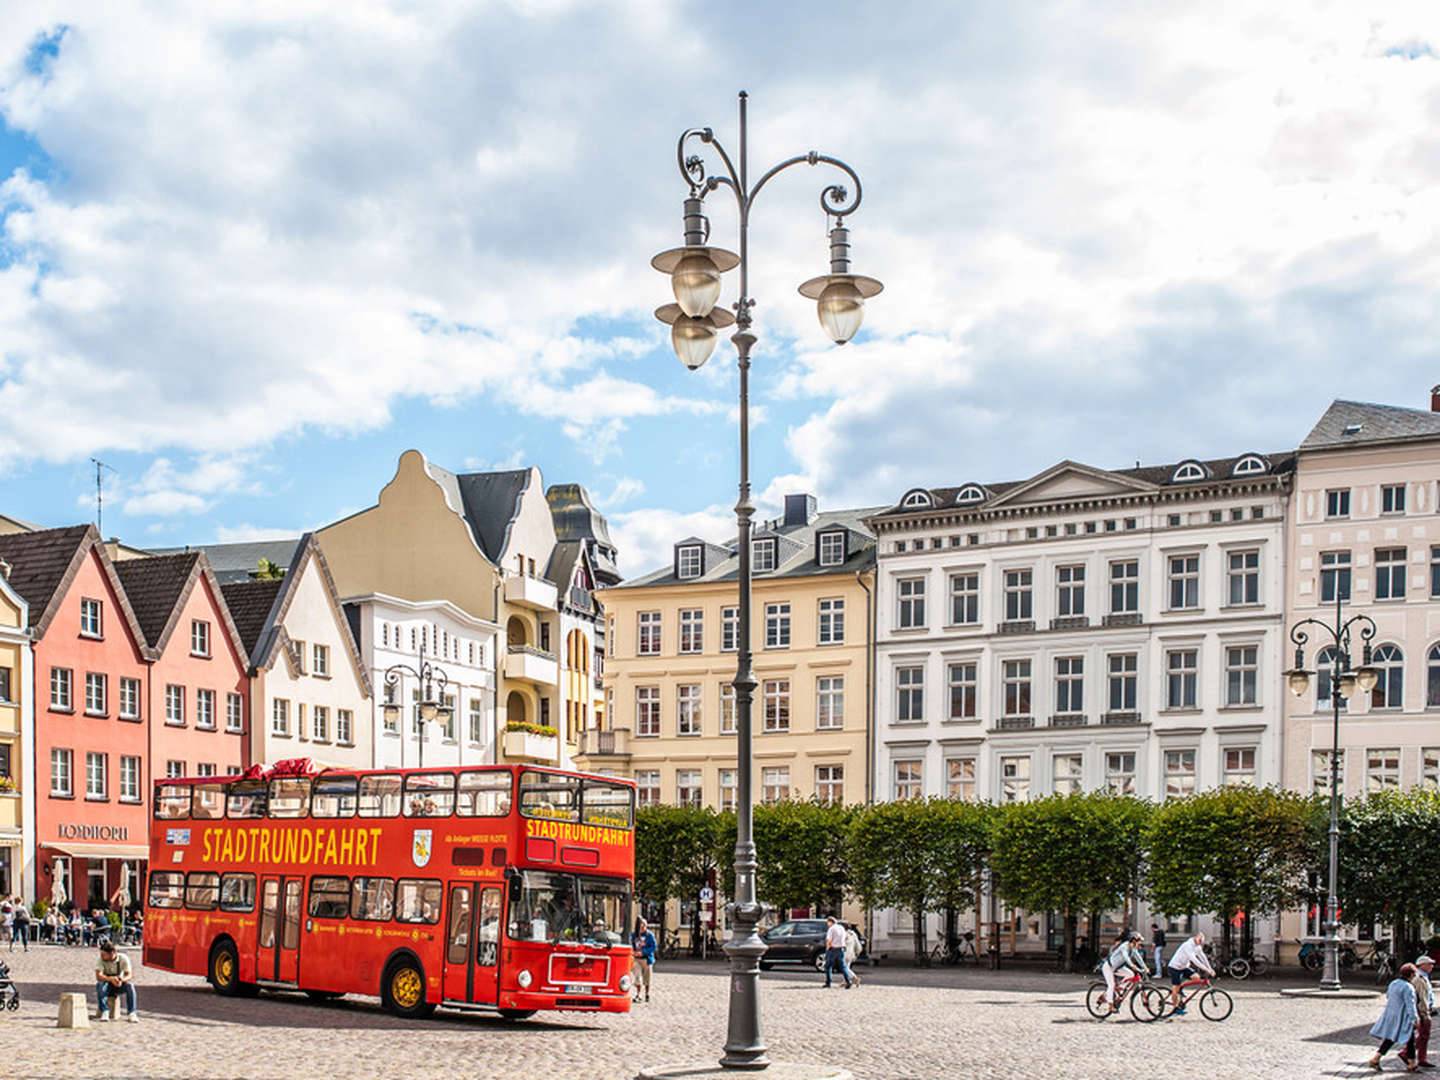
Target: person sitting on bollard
[{"x": 112, "y": 974}]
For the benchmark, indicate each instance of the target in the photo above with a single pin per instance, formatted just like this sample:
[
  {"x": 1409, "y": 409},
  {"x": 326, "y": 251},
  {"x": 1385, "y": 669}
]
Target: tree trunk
[
  {"x": 1069, "y": 943},
  {"x": 917, "y": 933}
]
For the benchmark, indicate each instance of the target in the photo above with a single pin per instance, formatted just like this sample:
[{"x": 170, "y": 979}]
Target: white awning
[{"x": 100, "y": 851}]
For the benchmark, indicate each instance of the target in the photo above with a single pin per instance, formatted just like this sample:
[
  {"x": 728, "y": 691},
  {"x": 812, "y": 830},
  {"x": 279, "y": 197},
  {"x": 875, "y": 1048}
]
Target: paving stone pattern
[{"x": 900, "y": 1025}]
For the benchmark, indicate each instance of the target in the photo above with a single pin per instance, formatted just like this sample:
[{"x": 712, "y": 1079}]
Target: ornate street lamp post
[
  {"x": 432, "y": 704},
  {"x": 1343, "y": 684},
  {"x": 695, "y": 272}
]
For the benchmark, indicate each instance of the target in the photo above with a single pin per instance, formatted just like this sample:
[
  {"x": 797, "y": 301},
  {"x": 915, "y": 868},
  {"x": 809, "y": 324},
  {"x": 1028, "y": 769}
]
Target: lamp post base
[
  {"x": 776, "y": 1070},
  {"x": 1340, "y": 993}
]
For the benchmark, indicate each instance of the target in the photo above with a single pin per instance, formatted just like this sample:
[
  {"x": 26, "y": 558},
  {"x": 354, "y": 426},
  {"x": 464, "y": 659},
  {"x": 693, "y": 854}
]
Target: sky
[{"x": 252, "y": 250}]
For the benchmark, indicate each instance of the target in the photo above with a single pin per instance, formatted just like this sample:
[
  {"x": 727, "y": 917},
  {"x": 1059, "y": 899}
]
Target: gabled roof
[
  {"x": 1367, "y": 424},
  {"x": 158, "y": 588},
  {"x": 238, "y": 562},
  {"x": 1122, "y": 480},
  {"x": 44, "y": 563},
  {"x": 250, "y": 603},
  {"x": 489, "y": 502}
]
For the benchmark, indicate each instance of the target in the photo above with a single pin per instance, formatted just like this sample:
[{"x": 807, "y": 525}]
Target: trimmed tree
[
  {"x": 894, "y": 860},
  {"x": 803, "y": 854},
  {"x": 1384, "y": 875}
]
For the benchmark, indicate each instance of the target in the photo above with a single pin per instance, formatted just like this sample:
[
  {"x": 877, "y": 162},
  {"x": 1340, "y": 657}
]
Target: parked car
[{"x": 800, "y": 941}]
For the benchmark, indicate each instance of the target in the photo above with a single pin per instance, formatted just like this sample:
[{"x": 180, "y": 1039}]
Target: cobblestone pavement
[{"x": 901, "y": 1024}]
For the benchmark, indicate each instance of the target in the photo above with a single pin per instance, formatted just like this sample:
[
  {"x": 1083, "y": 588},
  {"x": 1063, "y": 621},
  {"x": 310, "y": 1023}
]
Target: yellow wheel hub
[
  {"x": 406, "y": 987},
  {"x": 224, "y": 969}
]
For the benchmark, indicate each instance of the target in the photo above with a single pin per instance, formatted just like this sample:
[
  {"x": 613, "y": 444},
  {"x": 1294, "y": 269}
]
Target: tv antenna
[{"x": 100, "y": 468}]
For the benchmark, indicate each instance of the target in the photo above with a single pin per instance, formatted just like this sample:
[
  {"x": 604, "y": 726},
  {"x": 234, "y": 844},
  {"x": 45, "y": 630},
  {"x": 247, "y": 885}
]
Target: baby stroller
[{"x": 9, "y": 992}]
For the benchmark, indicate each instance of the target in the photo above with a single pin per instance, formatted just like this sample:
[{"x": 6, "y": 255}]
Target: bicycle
[
  {"x": 1133, "y": 988},
  {"x": 1242, "y": 967},
  {"x": 959, "y": 951},
  {"x": 1311, "y": 956},
  {"x": 1215, "y": 1004},
  {"x": 670, "y": 945}
]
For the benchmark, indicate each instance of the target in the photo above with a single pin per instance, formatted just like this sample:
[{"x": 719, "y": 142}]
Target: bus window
[
  {"x": 417, "y": 901},
  {"x": 606, "y": 804},
  {"x": 167, "y": 889},
  {"x": 487, "y": 946},
  {"x": 380, "y": 795},
  {"x": 483, "y": 794},
  {"x": 247, "y": 799},
  {"x": 202, "y": 889},
  {"x": 429, "y": 795},
  {"x": 172, "y": 801},
  {"x": 549, "y": 796},
  {"x": 289, "y": 797},
  {"x": 459, "y": 947},
  {"x": 333, "y": 796},
  {"x": 546, "y": 906},
  {"x": 329, "y": 897},
  {"x": 237, "y": 892},
  {"x": 209, "y": 802},
  {"x": 372, "y": 898}
]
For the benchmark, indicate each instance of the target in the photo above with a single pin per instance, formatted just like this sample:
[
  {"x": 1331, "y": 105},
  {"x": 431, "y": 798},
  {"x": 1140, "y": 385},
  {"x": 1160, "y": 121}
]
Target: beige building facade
[{"x": 17, "y": 745}]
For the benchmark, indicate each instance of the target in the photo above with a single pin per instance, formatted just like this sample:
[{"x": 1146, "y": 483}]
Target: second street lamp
[
  {"x": 432, "y": 704},
  {"x": 695, "y": 273}
]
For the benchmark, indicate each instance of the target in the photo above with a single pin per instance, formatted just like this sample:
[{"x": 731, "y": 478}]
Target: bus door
[
  {"x": 277, "y": 952},
  {"x": 472, "y": 944}
]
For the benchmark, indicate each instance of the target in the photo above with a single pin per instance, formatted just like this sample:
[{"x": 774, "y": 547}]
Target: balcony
[
  {"x": 1123, "y": 618},
  {"x": 613, "y": 743},
  {"x": 1018, "y": 626},
  {"x": 1016, "y": 723},
  {"x": 1121, "y": 718},
  {"x": 529, "y": 664},
  {"x": 527, "y": 746},
  {"x": 530, "y": 592},
  {"x": 1069, "y": 622},
  {"x": 1069, "y": 720}
]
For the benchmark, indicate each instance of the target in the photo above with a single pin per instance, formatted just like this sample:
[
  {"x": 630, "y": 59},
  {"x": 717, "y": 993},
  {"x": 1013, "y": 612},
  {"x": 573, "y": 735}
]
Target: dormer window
[
  {"x": 688, "y": 562},
  {"x": 1352, "y": 428},
  {"x": 917, "y": 499},
  {"x": 1250, "y": 465},
  {"x": 762, "y": 556},
  {"x": 970, "y": 493},
  {"x": 832, "y": 548},
  {"x": 1188, "y": 471}
]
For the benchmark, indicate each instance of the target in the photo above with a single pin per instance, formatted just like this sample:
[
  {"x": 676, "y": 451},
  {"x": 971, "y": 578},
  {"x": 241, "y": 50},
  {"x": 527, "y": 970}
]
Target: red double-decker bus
[{"x": 502, "y": 888}]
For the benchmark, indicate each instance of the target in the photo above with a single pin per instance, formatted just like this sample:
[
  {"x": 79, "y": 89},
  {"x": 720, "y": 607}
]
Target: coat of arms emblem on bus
[{"x": 420, "y": 847}]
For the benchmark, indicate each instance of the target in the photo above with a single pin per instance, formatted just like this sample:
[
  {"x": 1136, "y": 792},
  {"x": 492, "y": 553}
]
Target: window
[
  {"x": 91, "y": 625},
  {"x": 129, "y": 778},
  {"x": 1324, "y": 666},
  {"x": 320, "y": 723},
  {"x": 911, "y": 594},
  {"x": 1392, "y": 498},
  {"x": 320, "y": 660},
  {"x": 1334, "y": 576},
  {"x": 60, "y": 689},
  {"x": 280, "y": 717},
  {"x": 909, "y": 695},
  {"x": 916, "y": 499},
  {"x": 1017, "y": 687},
  {"x": 1179, "y": 773},
  {"x": 1188, "y": 471},
  {"x": 1242, "y": 664},
  {"x": 960, "y": 778},
  {"x": 199, "y": 637},
  {"x": 964, "y": 599},
  {"x": 1390, "y": 574},
  {"x": 728, "y": 798},
  {"x": 829, "y": 702},
  {"x": 1069, "y": 684},
  {"x": 774, "y": 783},
  {"x": 329, "y": 897},
  {"x": 60, "y": 761},
  {"x": 1018, "y": 595},
  {"x": 1184, "y": 581},
  {"x": 832, "y": 622},
  {"x": 167, "y": 889},
  {"x": 1432, "y": 680},
  {"x": 1182, "y": 677},
  {"x": 1243, "y": 576},
  {"x": 688, "y": 791},
  {"x": 909, "y": 782},
  {"x": 832, "y": 548},
  {"x": 1124, "y": 681},
  {"x": 1015, "y": 778},
  {"x": 777, "y": 705},
  {"x": 830, "y": 784},
  {"x": 95, "y": 775},
  {"x": 372, "y": 899},
  {"x": 649, "y": 644},
  {"x": 1382, "y": 769},
  {"x": 204, "y": 769},
  {"x": 687, "y": 709},
  {"x": 777, "y": 626},
  {"x": 1120, "y": 772},
  {"x": 234, "y": 713},
  {"x": 1320, "y": 769},
  {"x": 963, "y": 690},
  {"x": 94, "y": 693},
  {"x": 1389, "y": 692},
  {"x": 647, "y": 710},
  {"x": 727, "y": 709},
  {"x": 5, "y": 687},
  {"x": 1070, "y": 589},
  {"x": 647, "y": 787},
  {"x": 729, "y": 629},
  {"x": 1337, "y": 503},
  {"x": 762, "y": 556},
  {"x": 177, "y": 768},
  {"x": 174, "y": 704},
  {"x": 692, "y": 627},
  {"x": 1124, "y": 586},
  {"x": 477, "y": 723},
  {"x": 1066, "y": 773},
  {"x": 1430, "y": 768},
  {"x": 205, "y": 709},
  {"x": 1247, "y": 465},
  {"x": 1239, "y": 765},
  {"x": 688, "y": 563}
]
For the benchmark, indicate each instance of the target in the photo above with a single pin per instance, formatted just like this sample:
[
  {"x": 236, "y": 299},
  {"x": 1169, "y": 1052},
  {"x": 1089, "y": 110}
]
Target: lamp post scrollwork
[{"x": 432, "y": 704}]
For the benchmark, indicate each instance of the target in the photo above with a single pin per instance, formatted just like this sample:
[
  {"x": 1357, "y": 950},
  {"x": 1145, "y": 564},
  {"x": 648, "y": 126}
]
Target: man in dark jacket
[{"x": 1157, "y": 938}]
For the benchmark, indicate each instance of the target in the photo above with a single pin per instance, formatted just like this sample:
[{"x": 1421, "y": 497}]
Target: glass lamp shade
[
  {"x": 696, "y": 281},
  {"x": 392, "y": 713},
  {"x": 1299, "y": 681},
  {"x": 693, "y": 338},
  {"x": 840, "y": 302},
  {"x": 1347, "y": 684},
  {"x": 1366, "y": 677},
  {"x": 428, "y": 711}
]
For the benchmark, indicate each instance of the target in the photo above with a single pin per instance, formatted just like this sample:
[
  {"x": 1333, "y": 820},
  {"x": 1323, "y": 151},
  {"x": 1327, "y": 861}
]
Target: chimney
[
  {"x": 1435, "y": 399},
  {"x": 5, "y": 569},
  {"x": 799, "y": 510}
]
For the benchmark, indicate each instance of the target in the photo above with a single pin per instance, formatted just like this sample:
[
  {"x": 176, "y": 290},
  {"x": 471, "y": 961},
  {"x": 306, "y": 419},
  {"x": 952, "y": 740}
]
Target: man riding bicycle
[
  {"x": 1189, "y": 956},
  {"x": 1127, "y": 955}
]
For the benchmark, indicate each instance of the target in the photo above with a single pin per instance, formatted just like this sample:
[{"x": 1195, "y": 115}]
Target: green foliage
[
  {"x": 114, "y": 919},
  {"x": 1384, "y": 869},
  {"x": 675, "y": 850},
  {"x": 268, "y": 570},
  {"x": 528, "y": 727},
  {"x": 802, "y": 853},
  {"x": 39, "y": 908}
]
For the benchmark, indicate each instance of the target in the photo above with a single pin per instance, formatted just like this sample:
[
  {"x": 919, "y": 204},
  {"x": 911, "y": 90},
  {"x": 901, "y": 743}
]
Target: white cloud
[
  {"x": 236, "y": 534},
  {"x": 644, "y": 538}
]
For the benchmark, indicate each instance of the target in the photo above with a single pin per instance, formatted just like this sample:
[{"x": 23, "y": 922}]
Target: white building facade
[{"x": 1082, "y": 630}]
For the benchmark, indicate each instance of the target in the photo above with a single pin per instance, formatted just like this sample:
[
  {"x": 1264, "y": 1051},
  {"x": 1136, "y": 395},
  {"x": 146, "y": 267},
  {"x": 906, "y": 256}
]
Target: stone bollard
[{"x": 74, "y": 1011}]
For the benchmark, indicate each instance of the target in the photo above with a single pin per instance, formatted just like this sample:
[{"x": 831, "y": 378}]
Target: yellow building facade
[{"x": 17, "y": 746}]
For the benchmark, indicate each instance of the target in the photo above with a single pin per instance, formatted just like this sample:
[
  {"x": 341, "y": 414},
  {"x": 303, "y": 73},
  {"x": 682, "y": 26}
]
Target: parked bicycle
[
  {"x": 960, "y": 950},
  {"x": 1134, "y": 989},
  {"x": 1311, "y": 955},
  {"x": 1242, "y": 967},
  {"x": 670, "y": 945},
  {"x": 1215, "y": 1004}
]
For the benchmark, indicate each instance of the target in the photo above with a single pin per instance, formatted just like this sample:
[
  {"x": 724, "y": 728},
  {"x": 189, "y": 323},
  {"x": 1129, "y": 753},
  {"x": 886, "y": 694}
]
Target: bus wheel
[
  {"x": 225, "y": 969},
  {"x": 517, "y": 1014},
  {"x": 402, "y": 990}
]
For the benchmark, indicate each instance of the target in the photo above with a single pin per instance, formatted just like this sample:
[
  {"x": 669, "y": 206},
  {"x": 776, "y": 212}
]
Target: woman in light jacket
[{"x": 1397, "y": 1022}]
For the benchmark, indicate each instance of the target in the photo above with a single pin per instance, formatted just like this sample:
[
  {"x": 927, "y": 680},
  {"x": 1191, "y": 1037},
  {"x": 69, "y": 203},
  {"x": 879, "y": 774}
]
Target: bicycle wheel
[
  {"x": 1095, "y": 1002},
  {"x": 1312, "y": 960},
  {"x": 1139, "y": 1006},
  {"x": 1239, "y": 968},
  {"x": 1215, "y": 1004},
  {"x": 1156, "y": 1001},
  {"x": 1258, "y": 965}
]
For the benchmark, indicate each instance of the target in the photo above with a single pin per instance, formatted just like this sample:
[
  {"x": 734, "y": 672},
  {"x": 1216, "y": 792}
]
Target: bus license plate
[{"x": 576, "y": 988}]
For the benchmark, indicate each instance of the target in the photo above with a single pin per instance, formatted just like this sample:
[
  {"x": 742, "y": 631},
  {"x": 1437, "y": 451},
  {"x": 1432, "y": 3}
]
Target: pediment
[{"x": 1069, "y": 481}]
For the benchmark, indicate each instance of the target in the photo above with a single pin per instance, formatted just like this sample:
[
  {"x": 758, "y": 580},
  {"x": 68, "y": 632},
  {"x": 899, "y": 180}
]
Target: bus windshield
[{"x": 550, "y": 907}]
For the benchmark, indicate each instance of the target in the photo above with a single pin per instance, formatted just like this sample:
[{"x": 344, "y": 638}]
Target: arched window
[
  {"x": 1187, "y": 471},
  {"x": 1389, "y": 692},
  {"x": 1250, "y": 465},
  {"x": 1323, "y": 664},
  {"x": 970, "y": 493},
  {"x": 916, "y": 498},
  {"x": 1432, "y": 681}
]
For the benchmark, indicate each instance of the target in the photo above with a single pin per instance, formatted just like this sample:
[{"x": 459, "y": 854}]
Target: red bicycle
[
  {"x": 1215, "y": 1004},
  {"x": 1134, "y": 989}
]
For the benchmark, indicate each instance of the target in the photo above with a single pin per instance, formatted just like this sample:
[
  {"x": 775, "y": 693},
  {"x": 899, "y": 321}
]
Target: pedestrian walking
[
  {"x": 1399, "y": 1020},
  {"x": 1417, "y": 1050},
  {"x": 645, "y": 947},
  {"x": 22, "y": 926},
  {"x": 7, "y": 923},
  {"x": 835, "y": 954},
  {"x": 1157, "y": 939}
]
